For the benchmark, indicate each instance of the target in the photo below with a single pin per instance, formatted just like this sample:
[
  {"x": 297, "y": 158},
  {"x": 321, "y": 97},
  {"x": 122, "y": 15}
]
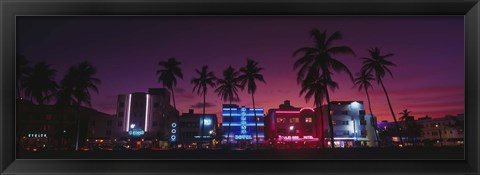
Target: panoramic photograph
[{"x": 240, "y": 87}]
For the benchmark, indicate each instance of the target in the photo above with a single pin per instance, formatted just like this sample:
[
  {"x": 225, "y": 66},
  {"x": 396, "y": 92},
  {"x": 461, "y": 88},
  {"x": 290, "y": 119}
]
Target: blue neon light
[
  {"x": 136, "y": 132},
  {"x": 242, "y": 123}
]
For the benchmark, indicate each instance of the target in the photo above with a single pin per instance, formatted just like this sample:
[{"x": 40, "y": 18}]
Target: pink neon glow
[
  {"x": 309, "y": 108},
  {"x": 146, "y": 113},
  {"x": 287, "y": 112},
  {"x": 128, "y": 113}
]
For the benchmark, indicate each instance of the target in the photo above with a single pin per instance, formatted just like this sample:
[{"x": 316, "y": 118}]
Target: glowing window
[{"x": 308, "y": 120}]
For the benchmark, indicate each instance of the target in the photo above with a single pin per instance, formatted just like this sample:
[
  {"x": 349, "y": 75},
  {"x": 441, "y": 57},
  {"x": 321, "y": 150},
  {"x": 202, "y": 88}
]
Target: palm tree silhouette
[
  {"x": 40, "y": 84},
  {"x": 320, "y": 59},
  {"x": 249, "y": 75},
  {"x": 314, "y": 86},
  {"x": 362, "y": 81},
  {"x": 23, "y": 69},
  {"x": 75, "y": 90},
  {"x": 228, "y": 90},
  {"x": 405, "y": 114},
  {"x": 201, "y": 83},
  {"x": 379, "y": 65},
  {"x": 168, "y": 73}
]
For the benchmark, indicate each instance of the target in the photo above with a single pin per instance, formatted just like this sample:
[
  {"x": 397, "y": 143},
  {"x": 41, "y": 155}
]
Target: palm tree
[
  {"x": 362, "y": 81},
  {"x": 40, "y": 84},
  {"x": 228, "y": 90},
  {"x": 201, "y": 83},
  {"x": 22, "y": 70},
  {"x": 379, "y": 65},
  {"x": 320, "y": 59},
  {"x": 168, "y": 73},
  {"x": 249, "y": 75},
  {"x": 405, "y": 114},
  {"x": 314, "y": 86},
  {"x": 75, "y": 90}
]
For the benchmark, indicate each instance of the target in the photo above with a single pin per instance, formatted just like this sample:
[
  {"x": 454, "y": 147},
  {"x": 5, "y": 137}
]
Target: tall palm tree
[
  {"x": 167, "y": 74},
  {"x": 320, "y": 59},
  {"x": 249, "y": 75},
  {"x": 75, "y": 90},
  {"x": 23, "y": 69},
  {"x": 379, "y": 64},
  {"x": 201, "y": 83},
  {"x": 362, "y": 81},
  {"x": 40, "y": 84},
  {"x": 228, "y": 90},
  {"x": 314, "y": 86}
]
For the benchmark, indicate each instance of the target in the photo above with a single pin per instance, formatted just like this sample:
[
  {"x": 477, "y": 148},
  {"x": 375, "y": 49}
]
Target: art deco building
[{"x": 238, "y": 125}]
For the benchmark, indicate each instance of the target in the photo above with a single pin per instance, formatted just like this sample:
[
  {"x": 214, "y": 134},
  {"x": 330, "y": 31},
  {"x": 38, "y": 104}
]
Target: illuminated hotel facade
[
  {"x": 145, "y": 115},
  {"x": 352, "y": 126},
  {"x": 188, "y": 130},
  {"x": 291, "y": 127},
  {"x": 240, "y": 123}
]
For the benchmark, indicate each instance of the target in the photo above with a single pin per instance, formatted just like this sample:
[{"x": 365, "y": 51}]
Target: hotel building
[
  {"x": 190, "y": 132},
  {"x": 445, "y": 131},
  {"x": 351, "y": 125},
  {"x": 239, "y": 125},
  {"x": 146, "y": 115},
  {"x": 291, "y": 127}
]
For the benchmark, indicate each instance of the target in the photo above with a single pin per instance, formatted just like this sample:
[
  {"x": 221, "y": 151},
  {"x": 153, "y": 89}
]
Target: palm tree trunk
[
  {"x": 229, "y": 122},
  {"x": 330, "y": 121},
  {"x": 256, "y": 120},
  {"x": 374, "y": 124},
  {"x": 323, "y": 127},
  {"x": 391, "y": 110},
  {"x": 316, "y": 124},
  {"x": 203, "y": 118}
]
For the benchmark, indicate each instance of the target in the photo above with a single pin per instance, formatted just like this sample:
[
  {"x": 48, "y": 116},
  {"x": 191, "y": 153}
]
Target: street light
[
  {"x": 291, "y": 136},
  {"x": 440, "y": 134}
]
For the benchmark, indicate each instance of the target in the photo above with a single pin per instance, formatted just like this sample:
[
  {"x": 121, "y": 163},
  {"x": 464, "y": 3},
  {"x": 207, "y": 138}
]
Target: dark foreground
[{"x": 347, "y": 154}]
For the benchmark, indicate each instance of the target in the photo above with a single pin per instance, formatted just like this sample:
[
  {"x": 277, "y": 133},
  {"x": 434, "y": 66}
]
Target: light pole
[{"x": 440, "y": 135}]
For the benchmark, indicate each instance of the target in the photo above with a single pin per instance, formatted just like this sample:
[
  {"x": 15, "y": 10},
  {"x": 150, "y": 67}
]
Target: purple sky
[{"x": 429, "y": 53}]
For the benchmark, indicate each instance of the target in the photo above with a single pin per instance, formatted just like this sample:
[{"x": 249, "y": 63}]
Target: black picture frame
[{"x": 11, "y": 8}]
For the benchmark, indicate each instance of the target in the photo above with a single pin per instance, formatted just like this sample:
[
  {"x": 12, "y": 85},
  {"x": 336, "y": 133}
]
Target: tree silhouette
[
  {"x": 314, "y": 86},
  {"x": 249, "y": 75},
  {"x": 362, "y": 81},
  {"x": 379, "y": 65},
  {"x": 320, "y": 59},
  {"x": 167, "y": 75},
  {"x": 75, "y": 90},
  {"x": 228, "y": 90},
  {"x": 201, "y": 83},
  {"x": 40, "y": 84},
  {"x": 23, "y": 69}
]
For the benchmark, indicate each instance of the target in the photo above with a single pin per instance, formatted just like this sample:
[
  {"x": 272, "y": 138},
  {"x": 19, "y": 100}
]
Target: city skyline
[{"x": 428, "y": 79}]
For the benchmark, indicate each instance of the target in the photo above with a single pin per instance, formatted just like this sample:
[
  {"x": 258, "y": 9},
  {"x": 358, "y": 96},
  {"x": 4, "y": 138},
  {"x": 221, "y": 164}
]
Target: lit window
[{"x": 308, "y": 120}]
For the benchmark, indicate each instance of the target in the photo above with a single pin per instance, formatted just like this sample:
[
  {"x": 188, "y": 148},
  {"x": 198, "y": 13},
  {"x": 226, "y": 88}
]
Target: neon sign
[
  {"x": 173, "y": 137},
  {"x": 136, "y": 132},
  {"x": 243, "y": 137},
  {"x": 243, "y": 121},
  {"x": 207, "y": 122}
]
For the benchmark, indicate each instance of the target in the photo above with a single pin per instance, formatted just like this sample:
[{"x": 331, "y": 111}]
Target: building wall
[
  {"x": 150, "y": 112},
  {"x": 352, "y": 126},
  {"x": 190, "y": 128},
  {"x": 242, "y": 124},
  {"x": 291, "y": 124},
  {"x": 442, "y": 131}
]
